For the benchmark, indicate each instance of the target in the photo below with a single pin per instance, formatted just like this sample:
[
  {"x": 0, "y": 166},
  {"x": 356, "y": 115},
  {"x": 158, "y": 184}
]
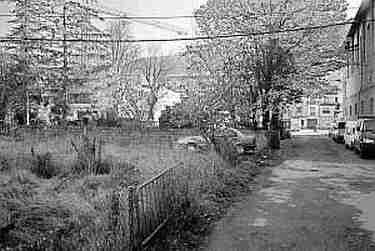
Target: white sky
[{"x": 158, "y": 8}]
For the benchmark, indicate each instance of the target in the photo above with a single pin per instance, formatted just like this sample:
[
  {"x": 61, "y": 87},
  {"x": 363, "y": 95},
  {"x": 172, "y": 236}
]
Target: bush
[
  {"x": 33, "y": 222},
  {"x": 42, "y": 165},
  {"x": 103, "y": 167},
  {"x": 225, "y": 148},
  {"x": 89, "y": 152}
]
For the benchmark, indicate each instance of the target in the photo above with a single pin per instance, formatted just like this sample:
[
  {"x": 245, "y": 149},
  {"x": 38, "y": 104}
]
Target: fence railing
[
  {"x": 141, "y": 211},
  {"x": 152, "y": 204},
  {"x": 4, "y": 128}
]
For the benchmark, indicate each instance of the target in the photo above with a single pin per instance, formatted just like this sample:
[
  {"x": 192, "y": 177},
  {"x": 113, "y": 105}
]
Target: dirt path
[{"x": 322, "y": 197}]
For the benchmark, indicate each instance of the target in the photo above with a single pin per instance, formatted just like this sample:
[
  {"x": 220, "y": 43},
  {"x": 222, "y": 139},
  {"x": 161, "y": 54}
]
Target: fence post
[
  {"x": 115, "y": 211},
  {"x": 132, "y": 197}
]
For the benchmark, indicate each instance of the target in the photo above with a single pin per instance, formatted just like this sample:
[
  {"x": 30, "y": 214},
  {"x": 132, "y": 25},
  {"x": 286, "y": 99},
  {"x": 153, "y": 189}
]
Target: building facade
[
  {"x": 316, "y": 112},
  {"x": 360, "y": 84},
  {"x": 323, "y": 108}
]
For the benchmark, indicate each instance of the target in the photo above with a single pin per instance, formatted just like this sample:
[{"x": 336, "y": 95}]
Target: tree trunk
[
  {"x": 150, "y": 115},
  {"x": 274, "y": 132},
  {"x": 151, "y": 103}
]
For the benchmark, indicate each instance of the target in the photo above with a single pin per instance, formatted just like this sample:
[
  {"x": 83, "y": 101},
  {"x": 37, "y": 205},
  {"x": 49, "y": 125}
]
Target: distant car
[
  {"x": 364, "y": 142},
  {"x": 331, "y": 130},
  {"x": 339, "y": 132},
  {"x": 193, "y": 143},
  {"x": 244, "y": 144},
  {"x": 349, "y": 136}
]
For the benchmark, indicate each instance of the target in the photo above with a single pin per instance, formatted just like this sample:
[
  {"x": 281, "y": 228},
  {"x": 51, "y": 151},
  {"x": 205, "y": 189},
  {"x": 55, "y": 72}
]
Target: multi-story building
[
  {"x": 360, "y": 75},
  {"x": 321, "y": 109}
]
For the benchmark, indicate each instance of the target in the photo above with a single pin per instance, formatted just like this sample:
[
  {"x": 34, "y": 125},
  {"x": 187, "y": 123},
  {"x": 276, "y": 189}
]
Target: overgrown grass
[
  {"x": 50, "y": 202},
  {"x": 212, "y": 189}
]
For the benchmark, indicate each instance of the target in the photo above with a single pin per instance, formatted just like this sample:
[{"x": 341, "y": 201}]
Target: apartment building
[
  {"x": 359, "y": 84},
  {"x": 322, "y": 108}
]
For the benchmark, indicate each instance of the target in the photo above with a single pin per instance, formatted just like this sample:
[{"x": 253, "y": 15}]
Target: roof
[{"x": 365, "y": 6}]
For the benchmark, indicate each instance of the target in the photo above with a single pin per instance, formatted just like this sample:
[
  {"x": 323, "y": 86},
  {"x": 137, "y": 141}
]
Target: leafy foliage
[
  {"x": 268, "y": 72},
  {"x": 46, "y": 64}
]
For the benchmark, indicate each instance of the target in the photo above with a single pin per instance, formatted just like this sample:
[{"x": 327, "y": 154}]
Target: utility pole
[
  {"x": 65, "y": 70},
  {"x": 25, "y": 62}
]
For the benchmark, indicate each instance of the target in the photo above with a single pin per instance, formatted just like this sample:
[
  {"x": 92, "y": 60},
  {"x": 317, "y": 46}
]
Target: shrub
[
  {"x": 33, "y": 219},
  {"x": 42, "y": 165},
  {"x": 225, "y": 148},
  {"x": 103, "y": 167},
  {"x": 89, "y": 157}
]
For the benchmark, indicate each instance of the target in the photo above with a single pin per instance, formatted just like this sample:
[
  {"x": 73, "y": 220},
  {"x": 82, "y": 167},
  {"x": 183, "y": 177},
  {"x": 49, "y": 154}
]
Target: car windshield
[
  {"x": 370, "y": 125},
  {"x": 341, "y": 125}
]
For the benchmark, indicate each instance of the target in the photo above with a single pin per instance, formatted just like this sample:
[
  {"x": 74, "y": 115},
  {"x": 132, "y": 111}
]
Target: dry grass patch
[{"x": 46, "y": 205}]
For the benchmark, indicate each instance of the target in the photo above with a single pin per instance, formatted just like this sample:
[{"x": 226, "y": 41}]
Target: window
[
  {"x": 336, "y": 99},
  {"x": 369, "y": 125},
  {"x": 350, "y": 110},
  {"x": 372, "y": 106},
  {"x": 312, "y": 111},
  {"x": 326, "y": 111},
  {"x": 356, "y": 109},
  {"x": 362, "y": 107},
  {"x": 341, "y": 125}
]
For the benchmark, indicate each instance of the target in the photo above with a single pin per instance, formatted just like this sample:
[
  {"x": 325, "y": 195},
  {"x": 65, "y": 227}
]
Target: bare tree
[
  {"x": 126, "y": 88},
  {"x": 123, "y": 55},
  {"x": 155, "y": 69}
]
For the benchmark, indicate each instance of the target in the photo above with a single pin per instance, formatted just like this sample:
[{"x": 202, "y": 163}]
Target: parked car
[
  {"x": 364, "y": 142},
  {"x": 339, "y": 132},
  {"x": 349, "y": 136},
  {"x": 332, "y": 129},
  {"x": 193, "y": 143},
  {"x": 244, "y": 144}
]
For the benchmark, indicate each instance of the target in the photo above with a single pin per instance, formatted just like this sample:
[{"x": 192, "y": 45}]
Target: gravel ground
[{"x": 321, "y": 197}]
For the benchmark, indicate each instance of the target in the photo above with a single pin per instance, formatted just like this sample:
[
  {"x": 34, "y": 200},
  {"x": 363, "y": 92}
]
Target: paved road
[{"x": 321, "y": 198}]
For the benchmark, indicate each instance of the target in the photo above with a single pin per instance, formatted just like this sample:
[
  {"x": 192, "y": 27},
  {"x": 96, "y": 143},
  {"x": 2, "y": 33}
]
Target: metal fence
[
  {"x": 4, "y": 128},
  {"x": 141, "y": 211},
  {"x": 153, "y": 203}
]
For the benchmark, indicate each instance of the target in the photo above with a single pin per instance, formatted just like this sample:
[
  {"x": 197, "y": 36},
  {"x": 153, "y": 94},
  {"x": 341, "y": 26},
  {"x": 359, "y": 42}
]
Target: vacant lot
[{"x": 48, "y": 200}]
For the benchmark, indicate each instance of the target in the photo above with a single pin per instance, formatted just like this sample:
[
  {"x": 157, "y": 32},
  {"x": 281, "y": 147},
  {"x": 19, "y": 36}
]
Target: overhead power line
[
  {"x": 112, "y": 17},
  {"x": 133, "y": 17},
  {"x": 196, "y": 38}
]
